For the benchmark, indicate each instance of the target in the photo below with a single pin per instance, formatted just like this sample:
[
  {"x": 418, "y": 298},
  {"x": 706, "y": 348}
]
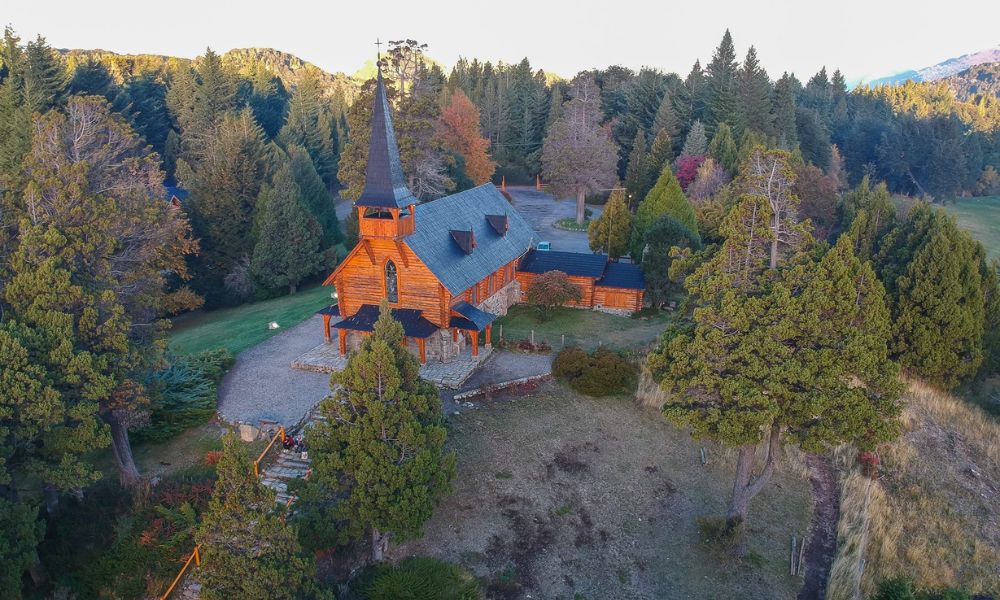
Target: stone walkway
[{"x": 326, "y": 358}]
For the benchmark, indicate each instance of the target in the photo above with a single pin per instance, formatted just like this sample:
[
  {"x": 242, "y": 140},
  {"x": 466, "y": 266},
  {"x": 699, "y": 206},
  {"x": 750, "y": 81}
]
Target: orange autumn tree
[{"x": 461, "y": 135}]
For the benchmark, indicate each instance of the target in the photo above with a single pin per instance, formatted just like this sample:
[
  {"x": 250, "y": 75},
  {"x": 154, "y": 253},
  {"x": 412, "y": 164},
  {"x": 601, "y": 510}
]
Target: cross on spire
[{"x": 378, "y": 45}]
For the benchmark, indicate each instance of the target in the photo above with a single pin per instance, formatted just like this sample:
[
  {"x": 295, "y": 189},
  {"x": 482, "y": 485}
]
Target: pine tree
[
  {"x": 666, "y": 118},
  {"x": 288, "y": 241},
  {"x": 44, "y": 76},
  {"x": 92, "y": 78},
  {"x": 783, "y": 108},
  {"x": 661, "y": 153},
  {"x": 941, "y": 309},
  {"x": 722, "y": 87},
  {"x": 307, "y": 128},
  {"x": 692, "y": 107},
  {"x": 381, "y": 449},
  {"x": 723, "y": 149},
  {"x": 268, "y": 100},
  {"x": 609, "y": 233},
  {"x": 666, "y": 198},
  {"x": 867, "y": 214},
  {"x": 664, "y": 235},
  {"x": 755, "y": 95},
  {"x": 315, "y": 196},
  {"x": 696, "y": 144},
  {"x": 224, "y": 191},
  {"x": 247, "y": 548},
  {"x": 637, "y": 173}
]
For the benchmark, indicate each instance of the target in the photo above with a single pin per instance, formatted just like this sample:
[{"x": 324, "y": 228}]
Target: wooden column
[
  {"x": 422, "y": 345},
  {"x": 403, "y": 343},
  {"x": 454, "y": 335},
  {"x": 326, "y": 329},
  {"x": 342, "y": 338},
  {"x": 475, "y": 342},
  {"x": 488, "y": 342}
]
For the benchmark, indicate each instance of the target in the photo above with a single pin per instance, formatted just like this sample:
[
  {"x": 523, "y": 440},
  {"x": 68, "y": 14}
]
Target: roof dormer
[
  {"x": 499, "y": 223},
  {"x": 466, "y": 240}
]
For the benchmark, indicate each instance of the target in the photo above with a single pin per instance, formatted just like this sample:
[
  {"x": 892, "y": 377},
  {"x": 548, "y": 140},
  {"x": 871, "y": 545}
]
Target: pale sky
[{"x": 864, "y": 38}]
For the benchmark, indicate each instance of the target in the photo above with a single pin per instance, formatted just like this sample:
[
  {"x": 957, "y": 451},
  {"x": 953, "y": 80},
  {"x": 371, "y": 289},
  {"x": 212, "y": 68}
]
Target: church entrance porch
[{"x": 326, "y": 358}]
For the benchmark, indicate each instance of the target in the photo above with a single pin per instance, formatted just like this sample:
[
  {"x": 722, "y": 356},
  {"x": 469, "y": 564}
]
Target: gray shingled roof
[
  {"x": 623, "y": 275},
  {"x": 577, "y": 264},
  {"x": 431, "y": 241},
  {"x": 479, "y": 318},
  {"x": 385, "y": 185}
]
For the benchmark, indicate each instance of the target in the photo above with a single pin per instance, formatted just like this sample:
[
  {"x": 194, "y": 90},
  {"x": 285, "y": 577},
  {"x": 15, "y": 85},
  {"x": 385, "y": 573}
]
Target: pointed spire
[{"x": 385, "y": 185}]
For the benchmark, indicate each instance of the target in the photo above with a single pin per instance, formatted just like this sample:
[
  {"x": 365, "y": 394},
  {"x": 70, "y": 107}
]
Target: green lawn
[
  {"x": 981, "y": 217},
  {"x": 242, "y": 327},
  {"x": 584, "y": 328}
]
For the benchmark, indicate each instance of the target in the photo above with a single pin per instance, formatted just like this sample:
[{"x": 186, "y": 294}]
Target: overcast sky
[{"x": 864, "y": 38}]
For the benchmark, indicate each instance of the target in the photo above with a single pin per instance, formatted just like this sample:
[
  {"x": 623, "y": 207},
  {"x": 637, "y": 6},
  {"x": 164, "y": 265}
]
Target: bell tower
[{"x": 386, "y": 206}]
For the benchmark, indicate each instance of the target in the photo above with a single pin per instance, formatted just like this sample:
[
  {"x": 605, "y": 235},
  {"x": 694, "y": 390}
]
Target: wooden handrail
[
  {"x": 196, "y": 557},
  {"x": 256, "y": 463},
  {"x": 195, "y": 554}
]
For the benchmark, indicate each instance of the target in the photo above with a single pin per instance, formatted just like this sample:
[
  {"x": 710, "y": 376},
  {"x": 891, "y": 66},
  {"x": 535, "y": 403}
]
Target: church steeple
[{"x": 385, "y": 185}]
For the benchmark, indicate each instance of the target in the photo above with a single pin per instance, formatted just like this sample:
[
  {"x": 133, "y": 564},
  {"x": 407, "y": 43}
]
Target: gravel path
[
  {"x": 262, "y": 385},
  {"x": 822, "y": 546}
]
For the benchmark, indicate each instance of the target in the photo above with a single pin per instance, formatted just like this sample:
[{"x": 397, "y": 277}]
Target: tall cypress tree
[
  {"x": 636, "y": 174},
  {"x": 783, "y": 107},
  {"x": 610, "y": 232},
  {"x": 661, "y": 153},
  {"x": 723, "y": 149},
  {"x": 381, "y": 450},
  {"x": 666, "y": 198},
  {"x": 315, "y": 196},
  {"x": 309, "y": 125}
]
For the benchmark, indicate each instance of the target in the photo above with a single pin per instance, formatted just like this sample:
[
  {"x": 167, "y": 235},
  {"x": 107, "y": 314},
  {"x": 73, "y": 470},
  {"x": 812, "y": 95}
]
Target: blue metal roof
[
  {"x": 578, "y": 264},
  {"x": 623, "y": 275},
  {"x": 467, "y": 211},
  {"x": 414, "y": 323},
  {"x": 479, "y": 318}
]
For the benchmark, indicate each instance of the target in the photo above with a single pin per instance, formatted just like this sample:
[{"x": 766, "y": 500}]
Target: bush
[
  {"x": 185, "y": 394},
  {"x": 420, "y": 578},
  {"x": 600, "y": 373},
  {"x": 902, "y": 588}
]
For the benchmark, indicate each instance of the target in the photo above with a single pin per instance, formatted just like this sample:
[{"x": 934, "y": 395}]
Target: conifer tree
[
  {"x": 940, "y": 312},
  {"x": 783, "y": 108},
  {"x": 307, "y": 128},
  {"x": 867, "y": 214},
  {"x": 666, "y": 198},
  {"x": 777, "y": 351},
  {"x": 288, "y": 241},
  {"x": 723, "y": 149},
  {"x": 666, "y": 118},
  {"x": 661, "y": 153},
  {"x": 696, "y": 143},
  {"x": 722, "y": 87},
  {"x": 268, "y": 100},
  {"x": 637, "y": 172},
  {"x": 755, "y": 94},
  {"x": 609, "y": 233},
  {"x": 664, "y": 235},
  {"x": 44, "y": 76},
  {"x": 692, "y": 107},
  {"x": 224, "y": 189},
  {"x": 247, "y": 548},
  {"x": 315, "y": 196},
  {"x": 381, "y": 449},
  {"x": 351, "y": 168}
]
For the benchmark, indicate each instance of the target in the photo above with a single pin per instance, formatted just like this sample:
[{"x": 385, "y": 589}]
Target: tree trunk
[
  {"x": 128, "y": 473},
  {"x": 746, "y": 486},
  {"x": 292, "y": 288},
  {"x": 581, "y": 198},
  {"x": 380, "y": 543}
]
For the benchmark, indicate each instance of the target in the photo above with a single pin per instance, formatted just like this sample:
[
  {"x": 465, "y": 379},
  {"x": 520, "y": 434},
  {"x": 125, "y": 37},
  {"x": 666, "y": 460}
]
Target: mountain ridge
[{"x": 941, "y": 70}]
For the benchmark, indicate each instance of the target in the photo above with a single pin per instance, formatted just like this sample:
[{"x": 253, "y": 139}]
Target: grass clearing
[
  {"x": 981, "y": 217},
  {"x": 933, "y": 514},
  {"x": 562, "y": 496},
  {"x": 584, "y": 328},
  {"x": 242, "y": 327},
  {"x": 570, "y": 224}
]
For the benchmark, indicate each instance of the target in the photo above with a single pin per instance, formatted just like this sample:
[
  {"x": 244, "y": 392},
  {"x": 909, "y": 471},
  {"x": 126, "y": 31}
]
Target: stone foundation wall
[{"x": 501, "y": 300}]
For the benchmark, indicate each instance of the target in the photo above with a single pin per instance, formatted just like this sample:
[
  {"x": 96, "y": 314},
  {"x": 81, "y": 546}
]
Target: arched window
[{"x": 391, "y": 282}]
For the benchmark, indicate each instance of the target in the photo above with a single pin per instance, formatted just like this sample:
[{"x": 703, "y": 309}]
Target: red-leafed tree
[
  {"x": 578, "y": 156},
  {"x": 553, "y": 289},
  {"x": 459, "y": 126},
  {"x": 687, "y": 168}
]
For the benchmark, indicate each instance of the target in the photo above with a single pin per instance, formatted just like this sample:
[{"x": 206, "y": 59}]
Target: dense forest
[{"x": 254, "y": 145}]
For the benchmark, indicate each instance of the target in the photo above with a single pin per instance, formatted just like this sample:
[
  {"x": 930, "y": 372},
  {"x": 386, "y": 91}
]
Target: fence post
[
  {"x": 532, "y": 337},
  {"x": 197, "y": 557}
]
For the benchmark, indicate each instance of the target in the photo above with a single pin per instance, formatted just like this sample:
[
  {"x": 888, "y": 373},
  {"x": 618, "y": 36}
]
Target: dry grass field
[
  {"x": 564, "y": 496},
  {"x": 934, "y": 512}
]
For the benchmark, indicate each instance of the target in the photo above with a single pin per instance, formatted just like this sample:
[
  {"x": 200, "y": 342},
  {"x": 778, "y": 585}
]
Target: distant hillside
[
  {"x": 943, "y": 69},
  {"x": 979, "y": 81},
  {"x": 289, "y": 68},
  {"x": 285, "y": 66}
]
